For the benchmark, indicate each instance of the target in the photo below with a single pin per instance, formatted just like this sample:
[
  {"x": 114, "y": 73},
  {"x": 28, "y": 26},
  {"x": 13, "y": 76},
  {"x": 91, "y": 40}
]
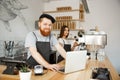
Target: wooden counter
[{"x": 79, "y": 75}]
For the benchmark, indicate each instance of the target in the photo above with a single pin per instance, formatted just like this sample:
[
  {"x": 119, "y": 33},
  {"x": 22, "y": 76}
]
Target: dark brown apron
[
  {"x": 67, "y": 47},
  {"x": 44, "y": 49}
]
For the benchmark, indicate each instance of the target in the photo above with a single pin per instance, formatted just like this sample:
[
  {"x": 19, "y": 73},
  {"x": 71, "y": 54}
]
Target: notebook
[{"x": 75, "y": 61}]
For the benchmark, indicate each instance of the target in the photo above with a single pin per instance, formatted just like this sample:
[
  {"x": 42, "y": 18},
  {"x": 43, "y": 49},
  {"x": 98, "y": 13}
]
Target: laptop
[{"x": 75, "y": 61}]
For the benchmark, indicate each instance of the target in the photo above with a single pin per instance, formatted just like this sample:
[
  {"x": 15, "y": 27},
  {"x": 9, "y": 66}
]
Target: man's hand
[
  {"x": 75, "y": 44},
  {"x": 53, "y": 67}
]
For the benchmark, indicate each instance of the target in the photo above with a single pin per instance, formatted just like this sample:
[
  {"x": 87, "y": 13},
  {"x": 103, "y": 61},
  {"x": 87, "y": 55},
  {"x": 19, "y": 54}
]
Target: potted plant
[{"x": 25, "y": 73}]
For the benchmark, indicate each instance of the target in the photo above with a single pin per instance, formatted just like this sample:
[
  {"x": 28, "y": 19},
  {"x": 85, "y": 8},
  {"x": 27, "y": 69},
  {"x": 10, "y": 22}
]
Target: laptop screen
[{"x": 75, "y": 60}]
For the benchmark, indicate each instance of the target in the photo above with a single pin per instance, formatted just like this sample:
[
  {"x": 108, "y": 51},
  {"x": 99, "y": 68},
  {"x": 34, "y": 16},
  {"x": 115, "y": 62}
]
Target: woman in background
[
  {"x": 62, "y": 39},
  {"x": 64, "y": 33}
]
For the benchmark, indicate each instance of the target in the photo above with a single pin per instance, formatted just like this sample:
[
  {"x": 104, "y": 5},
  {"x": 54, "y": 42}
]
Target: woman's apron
[{"x": 67, "y": 47}]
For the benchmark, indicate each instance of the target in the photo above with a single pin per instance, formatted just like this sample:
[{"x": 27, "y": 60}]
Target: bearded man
[{"x": 39, "y": 43}]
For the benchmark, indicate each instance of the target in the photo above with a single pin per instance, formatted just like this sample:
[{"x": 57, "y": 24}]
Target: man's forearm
[
  {"x": 61, "y": 50},
  {"x": 38, "y": 58}
]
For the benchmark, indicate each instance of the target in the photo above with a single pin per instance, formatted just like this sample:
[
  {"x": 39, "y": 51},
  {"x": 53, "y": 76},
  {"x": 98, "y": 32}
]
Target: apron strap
[
  {"x": 35, "y": 36},
  {"x": 63, "y": 41}
]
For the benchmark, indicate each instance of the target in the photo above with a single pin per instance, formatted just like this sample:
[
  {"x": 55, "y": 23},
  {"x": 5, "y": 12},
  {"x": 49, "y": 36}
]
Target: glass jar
[{"x": 101, "y": 55}]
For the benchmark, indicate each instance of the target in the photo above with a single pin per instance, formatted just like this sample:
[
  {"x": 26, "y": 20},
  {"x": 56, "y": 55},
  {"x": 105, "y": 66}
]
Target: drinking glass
[
  {"x": 101, "y": 55},
  {"x": 93, "y": 51}
]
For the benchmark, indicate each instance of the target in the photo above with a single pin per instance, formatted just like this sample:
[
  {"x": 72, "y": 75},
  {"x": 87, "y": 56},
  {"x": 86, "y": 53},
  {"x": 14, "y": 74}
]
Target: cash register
[{"x": 12, "y": 65}]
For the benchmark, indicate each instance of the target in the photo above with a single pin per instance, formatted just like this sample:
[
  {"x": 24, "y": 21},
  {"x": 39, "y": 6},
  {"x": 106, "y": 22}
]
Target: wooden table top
[{"x": 79, "y": 75}]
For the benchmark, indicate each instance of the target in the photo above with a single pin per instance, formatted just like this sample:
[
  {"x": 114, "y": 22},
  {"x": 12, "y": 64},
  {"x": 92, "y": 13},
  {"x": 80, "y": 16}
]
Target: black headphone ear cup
[
  {"x": 94, "y": 75},
  {"x": 80, "y": 35},
  {"x": 103, "y": 74},
  {"x": 107, "y": 72}
]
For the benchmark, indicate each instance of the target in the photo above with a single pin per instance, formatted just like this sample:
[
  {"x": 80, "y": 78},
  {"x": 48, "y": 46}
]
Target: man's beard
[{"x": 44, "y": 32}]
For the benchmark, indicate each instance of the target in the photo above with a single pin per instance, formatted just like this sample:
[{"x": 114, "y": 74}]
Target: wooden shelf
[
  {"x": 70, "y": 30},
  {"x": 61, "y": 11},
  {"x": 68, "y": 20},
  {"x": 82, "y": 20}
]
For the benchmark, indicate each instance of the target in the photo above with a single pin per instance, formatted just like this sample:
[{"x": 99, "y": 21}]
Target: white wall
[
  {"x": 19, "y": 30},
  {"x": 105, "y": 15}
]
